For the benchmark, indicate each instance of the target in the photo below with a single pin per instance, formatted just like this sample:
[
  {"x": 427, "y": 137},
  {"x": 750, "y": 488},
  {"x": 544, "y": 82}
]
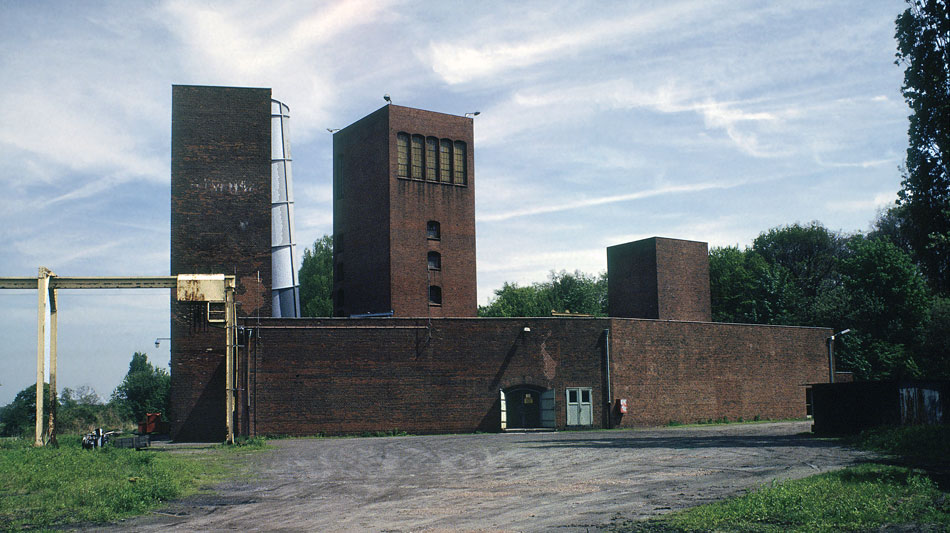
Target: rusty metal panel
[
  {"x": 920, "y": 405},
  {"x": 201, "y": 288}
]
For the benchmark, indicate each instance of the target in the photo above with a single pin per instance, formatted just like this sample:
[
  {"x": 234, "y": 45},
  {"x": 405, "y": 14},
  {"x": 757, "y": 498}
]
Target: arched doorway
[{"x": 527, "y": 407}]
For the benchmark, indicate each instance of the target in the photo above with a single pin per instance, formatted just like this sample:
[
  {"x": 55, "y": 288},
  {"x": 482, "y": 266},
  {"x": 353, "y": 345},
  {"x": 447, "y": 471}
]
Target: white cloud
[
  {"x": 592, "y": 202},
  {"x": 460, "y": 62}
]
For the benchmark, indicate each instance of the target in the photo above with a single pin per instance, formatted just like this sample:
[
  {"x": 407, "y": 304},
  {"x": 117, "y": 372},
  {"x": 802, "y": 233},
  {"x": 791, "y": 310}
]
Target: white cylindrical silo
[{"x": 285, "y": 289}]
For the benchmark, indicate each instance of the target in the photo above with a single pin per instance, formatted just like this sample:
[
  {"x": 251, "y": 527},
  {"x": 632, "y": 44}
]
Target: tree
[
  {"x": 316, "y": 279},
  {"x": 563, "y": 292},
  {"x": 144, "y": 389},
  {"x": 512, "y": 301},
  {"x": 923, "y": 33},
  {"x": 888, "y": 306},
  {"x": 788, "y": 276},
  {"x": 745, "y": 288},
  {"x": 18, "y": 418},
  {"x": 935, "y": 351},
  {"x": 809, "y": 253}
]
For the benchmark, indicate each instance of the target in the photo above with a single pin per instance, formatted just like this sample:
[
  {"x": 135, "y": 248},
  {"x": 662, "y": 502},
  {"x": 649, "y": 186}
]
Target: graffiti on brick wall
[{"x": 229, "y": 187}]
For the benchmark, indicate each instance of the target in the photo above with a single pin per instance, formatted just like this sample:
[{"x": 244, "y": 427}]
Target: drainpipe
[
  {"x": 831, "y": 354},
  {"x": 610, "y": 403}
]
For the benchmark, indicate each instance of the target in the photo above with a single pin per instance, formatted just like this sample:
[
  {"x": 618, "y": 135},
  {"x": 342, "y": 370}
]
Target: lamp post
[
  {"x": 159, "y": 340},
  {"x": 831, "y": 354}
]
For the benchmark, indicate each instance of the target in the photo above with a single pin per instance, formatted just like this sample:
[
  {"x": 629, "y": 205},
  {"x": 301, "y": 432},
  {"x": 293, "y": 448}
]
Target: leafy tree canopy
[
  {"x": 563, "y": 292},
  {"x": 18, "y": 418},
  {"x": 923, "y": 38},
  {"x": 144, "y": 389},
  {"x": 316, "y": 279}
]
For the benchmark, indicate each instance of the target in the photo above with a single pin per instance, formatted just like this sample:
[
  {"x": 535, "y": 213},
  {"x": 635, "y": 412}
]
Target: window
[
  {"x": 458, "y": 165},
  {"x": 432, "y": 151},
  {"x": 435, "y": 261},
  {"x": 433, "y": 230},
  {"x": 431, "y": 159},
  {"x": 445, "y": 161},
  {"x": 435, "y": 295},
  {"x": 338, "y": 272},
  {"x": 415, "y": 157},
  {"x": 402, "y": 155},
  {"x": 338, "y": 243}
]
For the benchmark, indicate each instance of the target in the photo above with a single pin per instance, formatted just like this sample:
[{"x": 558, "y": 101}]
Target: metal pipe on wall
[{"x": 610, "y": 402}]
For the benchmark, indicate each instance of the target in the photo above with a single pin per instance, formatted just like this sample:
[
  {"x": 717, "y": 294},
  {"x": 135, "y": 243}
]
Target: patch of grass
[
  {"x": 250, "y": 442},
  {"x": 928, "y": 444},
  {"x": 389, "y": 433},
  {"x": 853, "y": 499},
  {"x": 52, "y": 487}
]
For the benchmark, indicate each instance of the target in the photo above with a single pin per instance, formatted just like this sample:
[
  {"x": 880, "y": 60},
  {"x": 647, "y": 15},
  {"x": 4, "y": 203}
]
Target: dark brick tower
[
  {"x": 666, "y": 279},
  {"x": 220, "y": 223},
  {"x": 404, "y": 215}
]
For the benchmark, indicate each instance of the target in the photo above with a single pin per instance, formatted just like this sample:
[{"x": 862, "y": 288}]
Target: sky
[{"x": 600, "y": 123}]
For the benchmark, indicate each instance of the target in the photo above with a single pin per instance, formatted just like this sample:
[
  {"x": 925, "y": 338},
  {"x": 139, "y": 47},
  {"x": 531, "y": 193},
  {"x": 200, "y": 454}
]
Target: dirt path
[{"x": 571, "y": 481}]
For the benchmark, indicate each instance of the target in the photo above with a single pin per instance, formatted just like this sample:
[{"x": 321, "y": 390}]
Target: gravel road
[{"x": 566, "y": 481}]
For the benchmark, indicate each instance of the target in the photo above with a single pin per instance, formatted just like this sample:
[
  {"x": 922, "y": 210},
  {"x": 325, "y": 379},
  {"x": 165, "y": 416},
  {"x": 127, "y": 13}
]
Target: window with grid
[
  {"x": 432, "y": 157},
  {"x": 458, "y": 163},
  {"x": 402, "y": 155},
  {"x": 415, "y": 157},
  {"x": 445, "y": 161}
]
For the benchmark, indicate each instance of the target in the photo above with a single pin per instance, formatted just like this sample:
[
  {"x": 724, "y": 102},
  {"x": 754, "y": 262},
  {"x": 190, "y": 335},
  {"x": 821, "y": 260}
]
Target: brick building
[
  {"x": 433, "y": 367},
  {"x": 404, "y": 215}
]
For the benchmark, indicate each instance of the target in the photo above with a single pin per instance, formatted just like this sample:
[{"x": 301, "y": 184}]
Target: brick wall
[
  {"x": 382, "y": 220},
  {"x": 220, "y": 223},
  {"x": 692, "y": 371},
  {"x": 361, "y": 216},
  {"x": 350, "y": 376},
  {"x": 413, "y": 203},
  {"x": 659, "y": 278},
  {"x": 336, "y": 376}
]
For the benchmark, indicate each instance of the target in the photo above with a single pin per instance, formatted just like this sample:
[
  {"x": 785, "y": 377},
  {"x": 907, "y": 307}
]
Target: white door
[{"x": 580, "y": 408}]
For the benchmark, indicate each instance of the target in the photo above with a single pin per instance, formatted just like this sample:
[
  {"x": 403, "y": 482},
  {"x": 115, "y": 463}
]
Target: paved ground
[{"x": 568, "y": 481}]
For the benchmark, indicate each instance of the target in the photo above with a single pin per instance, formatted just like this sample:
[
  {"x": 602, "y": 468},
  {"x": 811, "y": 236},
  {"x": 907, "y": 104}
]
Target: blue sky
[{"x": 600, "y": 123}]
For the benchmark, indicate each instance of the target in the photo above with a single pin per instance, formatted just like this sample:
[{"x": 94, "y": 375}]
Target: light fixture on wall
[
  {"x": 387, "y": 98},
  {"x": 831, "y": 354},
  {"x": 159, "y": 340},
  {"x": 526, "y": 329},
  {"x": 473, "y": 114}
]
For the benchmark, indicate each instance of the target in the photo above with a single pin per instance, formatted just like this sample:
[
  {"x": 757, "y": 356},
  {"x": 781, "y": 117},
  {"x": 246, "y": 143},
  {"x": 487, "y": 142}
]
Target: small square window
[
  {"x": 435, "y": 261},
  {"x": 433, "y": 230},
  {"x": 435, "y": 295}
]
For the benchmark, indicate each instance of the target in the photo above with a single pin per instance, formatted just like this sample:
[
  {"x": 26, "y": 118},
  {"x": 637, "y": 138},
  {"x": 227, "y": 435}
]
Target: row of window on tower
[
  {"x": 431, "y": 159},
  {"x": 434, "y": 260}
]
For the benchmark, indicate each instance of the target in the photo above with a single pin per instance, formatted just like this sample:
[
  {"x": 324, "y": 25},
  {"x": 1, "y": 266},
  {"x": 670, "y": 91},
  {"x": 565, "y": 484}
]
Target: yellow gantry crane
[{"x": 211, "y": 288}]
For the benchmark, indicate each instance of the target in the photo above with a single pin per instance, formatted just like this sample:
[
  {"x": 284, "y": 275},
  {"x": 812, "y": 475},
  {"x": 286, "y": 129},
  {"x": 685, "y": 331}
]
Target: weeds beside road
[
  {"x": 51, "y": 487},
  {"x": 858, "y": 498}
]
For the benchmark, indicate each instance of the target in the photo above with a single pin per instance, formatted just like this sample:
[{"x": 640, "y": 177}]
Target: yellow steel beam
[
  {"x": 41, "y": 282},
  {"x": 51, "y": 430},
  {"x": 127, "y": 282},
  {"x": 47, "y": 283}
]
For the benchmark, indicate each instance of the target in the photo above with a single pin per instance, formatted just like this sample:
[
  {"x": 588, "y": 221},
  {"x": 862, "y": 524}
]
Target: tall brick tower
[
  {"x": 404, "y": 215},
  {"x": 220, "y": 223}
]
